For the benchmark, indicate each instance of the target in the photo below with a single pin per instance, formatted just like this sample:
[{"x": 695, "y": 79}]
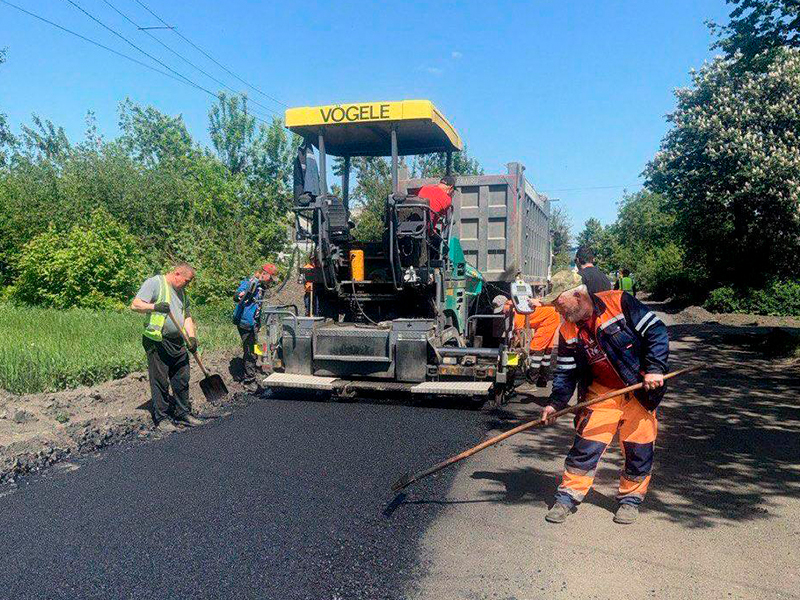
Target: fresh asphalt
[{"x": 281, "y": 499}]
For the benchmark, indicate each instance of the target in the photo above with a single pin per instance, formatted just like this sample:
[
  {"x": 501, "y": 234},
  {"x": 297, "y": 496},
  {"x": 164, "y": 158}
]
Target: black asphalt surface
[{"x": 279, "y": 500}]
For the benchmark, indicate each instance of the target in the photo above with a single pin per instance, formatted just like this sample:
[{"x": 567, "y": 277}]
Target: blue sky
[{"x": 575, "y": 90}]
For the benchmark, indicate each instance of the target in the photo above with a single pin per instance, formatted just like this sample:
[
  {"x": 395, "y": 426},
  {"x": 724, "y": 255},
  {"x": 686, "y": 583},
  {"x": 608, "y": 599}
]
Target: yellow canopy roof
[{"x": 365, "y": 129}]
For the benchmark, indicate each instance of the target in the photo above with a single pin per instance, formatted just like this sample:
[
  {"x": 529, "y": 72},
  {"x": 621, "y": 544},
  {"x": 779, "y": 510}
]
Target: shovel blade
[{"x": 213, "y": 388}]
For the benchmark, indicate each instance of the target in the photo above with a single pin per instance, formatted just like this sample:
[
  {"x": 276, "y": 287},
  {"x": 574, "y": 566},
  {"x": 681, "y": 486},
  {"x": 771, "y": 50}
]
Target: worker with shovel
[
  {"x": 247, "y": 317},
  {"x": 607, "y": 341},
  {"x": 166, "y": 345}
]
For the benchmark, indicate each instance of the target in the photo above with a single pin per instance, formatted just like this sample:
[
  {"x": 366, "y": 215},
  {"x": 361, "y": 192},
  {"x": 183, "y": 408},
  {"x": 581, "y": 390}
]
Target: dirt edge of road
[{"x": 39, "y": 430}]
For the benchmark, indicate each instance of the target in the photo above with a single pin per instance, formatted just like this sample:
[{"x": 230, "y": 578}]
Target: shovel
[
  {"x": 410, "y": 478},
  {"x": 212, "y": 386}
]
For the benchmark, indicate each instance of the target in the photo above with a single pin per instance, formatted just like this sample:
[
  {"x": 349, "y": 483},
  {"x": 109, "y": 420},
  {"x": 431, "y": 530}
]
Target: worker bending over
[
  {"x": 607, "y": 341},
  {"x": 247, "y": 316},
  {"x": 167, "y": 356}
]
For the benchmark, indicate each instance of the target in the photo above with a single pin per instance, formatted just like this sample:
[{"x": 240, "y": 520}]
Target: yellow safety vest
[{"x": 155, "y": 321}]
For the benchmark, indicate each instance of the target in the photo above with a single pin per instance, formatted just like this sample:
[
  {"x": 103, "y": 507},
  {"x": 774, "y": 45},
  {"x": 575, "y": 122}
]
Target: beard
[{"x": 576, "y": 314}]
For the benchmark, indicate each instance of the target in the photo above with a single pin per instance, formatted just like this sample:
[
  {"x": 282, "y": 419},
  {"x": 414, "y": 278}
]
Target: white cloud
[
  {"x": 433, "y": 70},
  {"x": 456, "y": 54}
]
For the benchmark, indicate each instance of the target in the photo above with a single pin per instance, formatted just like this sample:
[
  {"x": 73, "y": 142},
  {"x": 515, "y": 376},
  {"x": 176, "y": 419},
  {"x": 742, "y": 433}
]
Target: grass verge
[{"x": 43, "y": 349}]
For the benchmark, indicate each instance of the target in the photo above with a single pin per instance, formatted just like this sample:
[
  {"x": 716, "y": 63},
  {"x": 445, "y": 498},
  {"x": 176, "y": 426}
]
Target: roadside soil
[
  {"x": 721, "y": 517},
  {"x": 37, "y": 430}
]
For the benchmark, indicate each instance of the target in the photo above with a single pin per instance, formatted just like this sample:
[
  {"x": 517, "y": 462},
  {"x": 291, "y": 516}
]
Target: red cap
[{"x": 270, "y": 268}]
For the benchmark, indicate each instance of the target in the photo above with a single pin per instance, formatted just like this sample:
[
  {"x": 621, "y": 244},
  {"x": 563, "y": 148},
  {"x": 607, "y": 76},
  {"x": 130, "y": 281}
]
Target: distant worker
[
  {"x": 593, "y": 278},
  {"x": 607, "y": 341},
  {"x": 308, "y": 285},
  {"x": 167, "y": 356},
  {"x": 626, "y": 283},
  {"x": 247, "y": 315},
  {"x": 544, "y": 322},
  {"x": 439, "y": 197}
]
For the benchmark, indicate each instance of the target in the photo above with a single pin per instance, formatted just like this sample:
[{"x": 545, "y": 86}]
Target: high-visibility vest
[
  {"x": 155, "y": 321},
  {"x": 626, "y": 284}
]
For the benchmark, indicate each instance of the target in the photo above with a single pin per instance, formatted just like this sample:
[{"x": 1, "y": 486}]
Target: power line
[
  {"x": 130, "y": 43},
  {"x": 91, "y": 41},
  {"x": 183, "y": 80},
  {"x": 183, "y": 58},
  {"x": 208, "y": 56},
  {"x": 598, "y": 187}
]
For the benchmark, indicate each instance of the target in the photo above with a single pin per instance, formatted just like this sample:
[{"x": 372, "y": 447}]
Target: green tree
[
  {"x": 591, "y": 235},
  {"x": 435, "y": 165},
  {"x": 45, "y": 141},
  {"x": 757, "y": 30},
  {"x": 8, "y": 142},
  {"x": 730, "y": 171},
  {"x": 151, "y": 136},
  {"x": 372, "y": 189},
  {"x": 232, "y": 130},
  {"x": 561, "y": 235}
]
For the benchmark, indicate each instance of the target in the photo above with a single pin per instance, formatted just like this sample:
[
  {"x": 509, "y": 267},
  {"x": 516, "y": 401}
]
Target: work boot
[
  {"x": 165, "y": 426},
  {"x": 188, "y": 420},
  {"x": 626, "y": 514},
  {"x": 558, "y": 514},
  {"x": 541, "y": 381}
]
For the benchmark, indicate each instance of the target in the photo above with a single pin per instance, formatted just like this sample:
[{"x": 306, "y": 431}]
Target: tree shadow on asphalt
[{"x": 727, "y": 449}]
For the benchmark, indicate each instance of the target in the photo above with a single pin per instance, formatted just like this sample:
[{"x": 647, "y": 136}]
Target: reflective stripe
[
  {"x": 644, "y": 320},
  {"x": 571, "y": 341},
  {"x": 566, "y": 359},
  {"x": 611, "y": 320},
  {"x": 566, "y": 367},
  {"x": 652, "y": 322}
]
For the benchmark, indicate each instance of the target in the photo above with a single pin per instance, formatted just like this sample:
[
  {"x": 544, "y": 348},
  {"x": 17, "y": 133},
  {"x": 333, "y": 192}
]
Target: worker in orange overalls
[
  {"x": 308, "y": 287},
  {"x": 544, "y": 322},
  {"x": 607, "y": 341}
]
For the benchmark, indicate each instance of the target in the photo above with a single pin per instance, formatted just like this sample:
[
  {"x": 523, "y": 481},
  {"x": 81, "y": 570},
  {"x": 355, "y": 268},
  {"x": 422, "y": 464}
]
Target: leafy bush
[
  {"x": 724, "y": 300},
  {"x": 98, "y": 265},
  {"x": 780, "y": 298}
]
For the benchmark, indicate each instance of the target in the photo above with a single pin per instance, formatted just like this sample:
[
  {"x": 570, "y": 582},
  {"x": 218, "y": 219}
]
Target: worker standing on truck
[
  {"x": 167, "y": 356},
  {"x": 626, "y": 283},
  {"x": 593, "y": 278},
  {"x": 607, "y": 341},
  {"x": 247, "y": 315},
  {"x": 439, "y": 197}
]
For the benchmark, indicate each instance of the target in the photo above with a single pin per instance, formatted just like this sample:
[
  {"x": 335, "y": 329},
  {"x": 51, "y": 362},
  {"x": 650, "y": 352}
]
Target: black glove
[
  {"x": 161, "y": 307},
  {"x": 192, "y": 345}
]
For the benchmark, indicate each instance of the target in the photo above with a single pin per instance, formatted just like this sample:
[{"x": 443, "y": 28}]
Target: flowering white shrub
[{"x": 730, "y": 168}]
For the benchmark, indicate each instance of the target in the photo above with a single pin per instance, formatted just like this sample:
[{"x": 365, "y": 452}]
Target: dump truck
[{"x": 410, "y": 312}]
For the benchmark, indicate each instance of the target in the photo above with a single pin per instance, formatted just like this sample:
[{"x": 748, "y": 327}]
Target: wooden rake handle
[
  {"x": 186, "y": 339},
  {"x": 408, "y": 479}
]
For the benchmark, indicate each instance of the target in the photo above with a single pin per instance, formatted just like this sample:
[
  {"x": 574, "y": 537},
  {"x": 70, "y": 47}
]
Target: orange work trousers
[{"x": 596, "y": 427}]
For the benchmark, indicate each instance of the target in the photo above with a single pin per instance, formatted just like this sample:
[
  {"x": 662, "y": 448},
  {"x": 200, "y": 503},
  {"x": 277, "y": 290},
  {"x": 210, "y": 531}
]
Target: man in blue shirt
[{"x": 247, "y": 315}]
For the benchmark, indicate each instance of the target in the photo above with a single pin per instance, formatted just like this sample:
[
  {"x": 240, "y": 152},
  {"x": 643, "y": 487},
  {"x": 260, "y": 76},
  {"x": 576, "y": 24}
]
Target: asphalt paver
[{"x": 281, "y": 499}]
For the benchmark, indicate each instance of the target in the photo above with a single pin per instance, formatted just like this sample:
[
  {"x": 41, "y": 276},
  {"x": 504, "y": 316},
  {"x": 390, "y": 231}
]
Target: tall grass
[{"x": 44, "y": 349}]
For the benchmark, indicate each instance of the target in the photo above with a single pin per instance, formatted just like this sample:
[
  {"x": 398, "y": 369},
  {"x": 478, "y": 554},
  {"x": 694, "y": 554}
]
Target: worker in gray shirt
[{"x": 167, "y": 356}]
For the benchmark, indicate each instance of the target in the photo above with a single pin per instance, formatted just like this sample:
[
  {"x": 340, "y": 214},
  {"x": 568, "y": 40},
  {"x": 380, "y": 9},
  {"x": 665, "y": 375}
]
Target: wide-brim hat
[{"x": 561, "y": 282}]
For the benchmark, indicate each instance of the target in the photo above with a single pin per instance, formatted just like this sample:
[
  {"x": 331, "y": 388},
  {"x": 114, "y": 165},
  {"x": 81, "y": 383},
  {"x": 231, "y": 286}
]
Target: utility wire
[
  {"x": 208, "y": 56},
  {"x": 599, "y": 187},
  {"x": 91, "y": 41},
  {"x": 112, "y": 51},
  {"x": 150, "y": 56},
  {"x": 183, "y": 58}
]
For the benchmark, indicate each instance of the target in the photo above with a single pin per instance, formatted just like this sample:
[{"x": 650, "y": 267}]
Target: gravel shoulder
[
  {"x": 37, "y": 430},
  {"x": 720, "y": 521}
]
